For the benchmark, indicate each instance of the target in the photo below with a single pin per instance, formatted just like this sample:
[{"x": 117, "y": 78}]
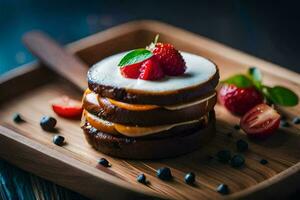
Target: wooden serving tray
[{"x": 28, "y": 89}]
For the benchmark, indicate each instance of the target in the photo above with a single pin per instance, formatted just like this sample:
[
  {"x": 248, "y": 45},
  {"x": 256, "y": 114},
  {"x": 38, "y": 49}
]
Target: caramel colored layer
[
  {"x": 130, "y": 131},
  {"x": 144, "y": 107}
]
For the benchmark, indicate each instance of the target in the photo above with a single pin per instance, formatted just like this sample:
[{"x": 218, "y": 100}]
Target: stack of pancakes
[{"x": 139, "y": 119}]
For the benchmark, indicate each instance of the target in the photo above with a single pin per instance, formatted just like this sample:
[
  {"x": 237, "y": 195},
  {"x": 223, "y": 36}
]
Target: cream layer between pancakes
[
  {"x": 131, "y": 131},
  {"x": 135, "y": 131},
  {"x": 93, "y": 97}
]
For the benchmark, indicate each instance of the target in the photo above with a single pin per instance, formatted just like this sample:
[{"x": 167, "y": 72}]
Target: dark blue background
[{"x": 266, "y": 29}]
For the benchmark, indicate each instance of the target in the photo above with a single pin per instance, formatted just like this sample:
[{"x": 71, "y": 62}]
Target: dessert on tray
[{"x": 150, "y": 103}]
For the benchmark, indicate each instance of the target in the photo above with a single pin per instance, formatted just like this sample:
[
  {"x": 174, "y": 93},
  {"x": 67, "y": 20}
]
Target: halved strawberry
[
  {"x": 151, "y": 69},
  {"x": 131, "y": 71},
  {"x": 260, "y": 122},
  {"x": 67, "y": 107}
]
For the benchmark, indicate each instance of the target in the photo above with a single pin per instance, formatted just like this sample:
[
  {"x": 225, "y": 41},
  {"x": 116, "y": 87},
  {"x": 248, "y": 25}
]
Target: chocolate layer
[{"x": 161, "y": 145}]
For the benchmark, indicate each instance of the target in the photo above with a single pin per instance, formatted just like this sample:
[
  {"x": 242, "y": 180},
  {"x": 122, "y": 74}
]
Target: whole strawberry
[
  {"x": 171, "y": 60},
  {"x": 239, "y": 100},
  {"x": 151, "y": 69}
]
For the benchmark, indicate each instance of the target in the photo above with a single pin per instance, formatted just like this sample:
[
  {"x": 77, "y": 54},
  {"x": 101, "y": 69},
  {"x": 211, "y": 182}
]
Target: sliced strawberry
[
  {"x": 131, "y": 71},
  {"x": 239, "y": 100},
  {"x": 66, "y": 107},
  {"x": 260, "y": 122},
  {"x": 151, "y": 70}
]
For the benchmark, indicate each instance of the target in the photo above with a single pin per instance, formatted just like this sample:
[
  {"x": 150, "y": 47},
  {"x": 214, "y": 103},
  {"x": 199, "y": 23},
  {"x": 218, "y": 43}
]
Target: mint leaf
[
  {"x": 240, "y": 81},
  {"x": 255, "y": 74},
  {"x": 135, "y": 56},
  {"x": 265, "y": 91},
  {"x": 281, "y": 96},
  {"x": 256, "y": 77}
]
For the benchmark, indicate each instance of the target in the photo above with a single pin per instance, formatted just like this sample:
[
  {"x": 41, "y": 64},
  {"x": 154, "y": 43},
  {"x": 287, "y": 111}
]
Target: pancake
[
  {"x": 139, "y": 119},
  {"x": 200, "y": 79},
  {"x": 147, "y": 115},
  {"x": 136, "y": 131},
  {"x": 174, "y": 142}
]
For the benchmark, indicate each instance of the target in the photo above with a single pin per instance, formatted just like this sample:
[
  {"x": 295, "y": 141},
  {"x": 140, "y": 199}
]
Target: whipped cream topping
[{"x": 199, "y": 70}]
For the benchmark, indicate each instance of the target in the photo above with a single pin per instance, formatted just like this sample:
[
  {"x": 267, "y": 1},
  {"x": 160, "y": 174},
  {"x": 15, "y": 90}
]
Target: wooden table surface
[{"x": 242, "y": 26}]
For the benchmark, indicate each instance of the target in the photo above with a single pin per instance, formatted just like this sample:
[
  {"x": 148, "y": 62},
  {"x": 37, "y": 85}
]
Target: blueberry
[
  {"x": 237, "y": 127},
  {"x": 237, "y": 161},
  {"x": 223, "y": 189},
  {"x": 164, "y": 173},
  {"x": 17, "y": 118},
  {"x": 242, "y": 145},
  {"x": 48, "y": 123},
  {"x": 58, "y": 140},
  {"x": 224, "y": 156},
  {"x": 263, "y": 161},
  {"x": 104, "y": 162},
  {"x": 284, "y": 124},
  {"x": 190, "y": 178},
  {"x": 141, "y": 178},
  {"x": 296, "y": 120}
]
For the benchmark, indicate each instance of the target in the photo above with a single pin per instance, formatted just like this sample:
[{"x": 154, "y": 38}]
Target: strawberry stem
[{"x": 156, "y": 38}]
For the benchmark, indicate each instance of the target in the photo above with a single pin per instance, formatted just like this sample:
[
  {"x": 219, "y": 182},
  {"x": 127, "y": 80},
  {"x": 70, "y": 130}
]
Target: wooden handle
[{"x": 57, "y": 58}]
